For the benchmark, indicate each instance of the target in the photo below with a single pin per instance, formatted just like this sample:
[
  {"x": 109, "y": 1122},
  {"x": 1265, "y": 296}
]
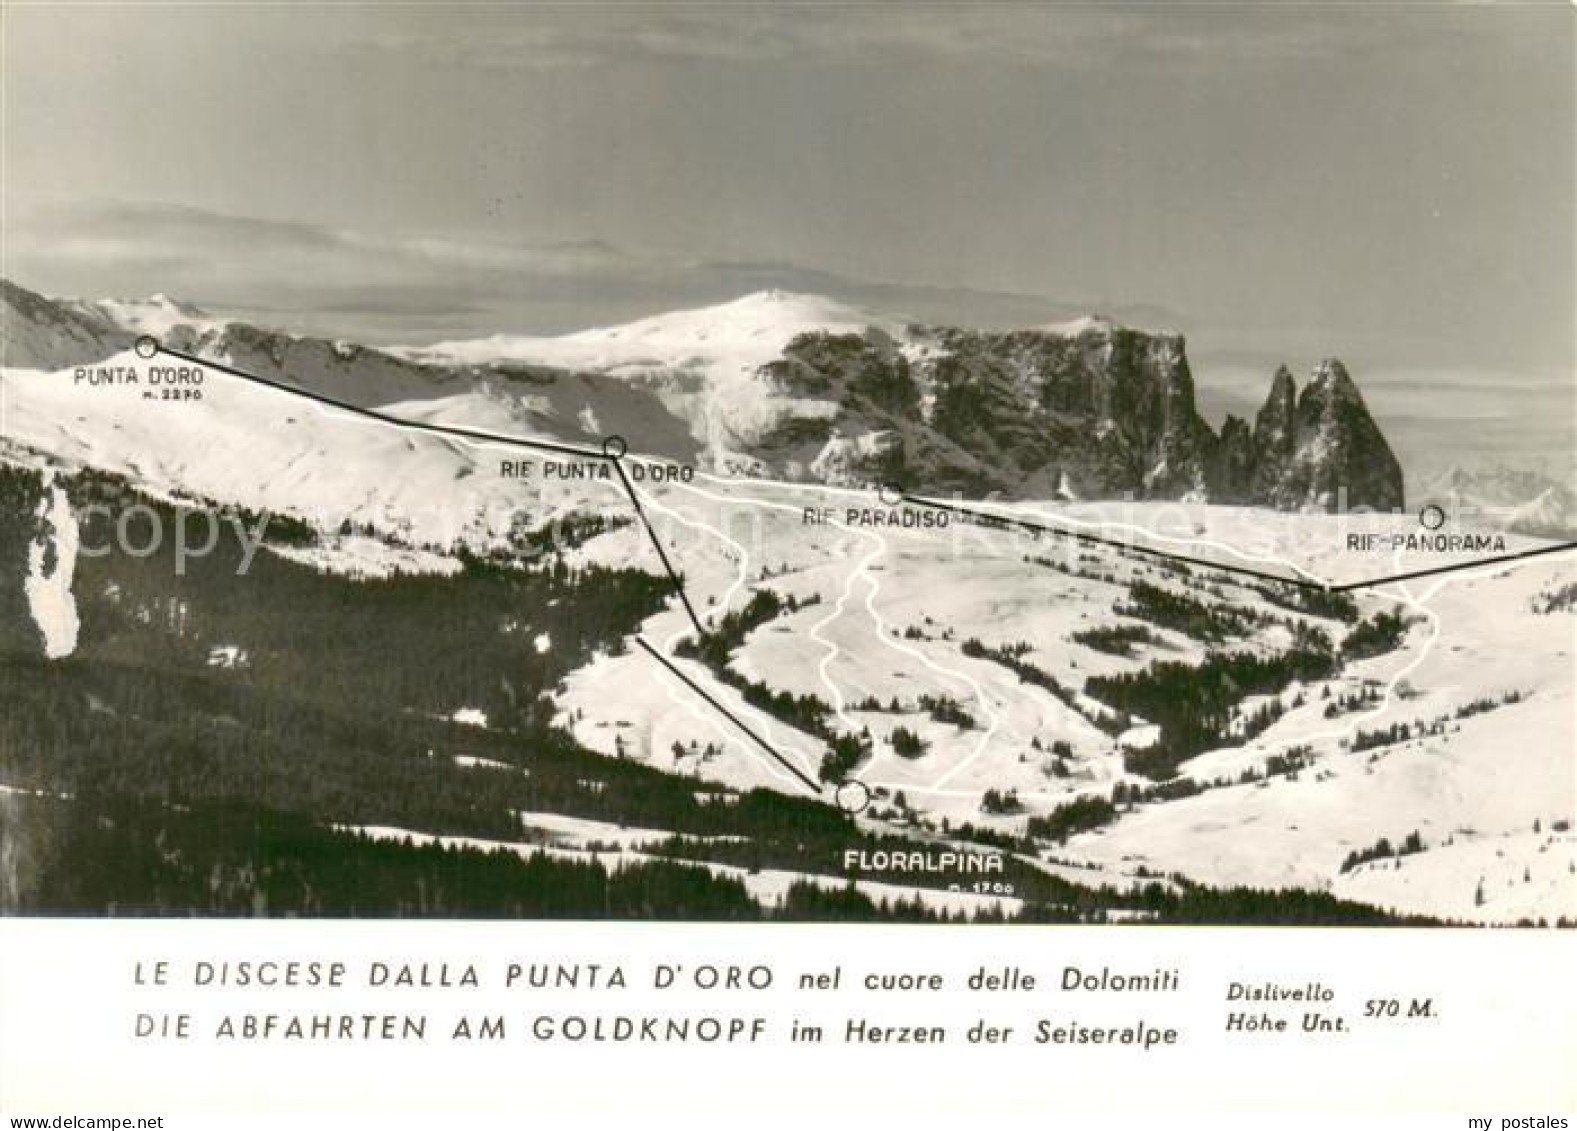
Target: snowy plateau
[{"x": 1115, "y": 690}]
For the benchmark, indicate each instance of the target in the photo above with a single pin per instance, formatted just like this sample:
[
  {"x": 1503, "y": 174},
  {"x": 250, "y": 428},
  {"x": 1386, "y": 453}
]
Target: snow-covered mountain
[
  {"x": 1553, "y": 514},
  {"x": 911, "y": 627},
  {"x": 158, "y": 314},
  {"x": 1506, "y": 498},
  {"x": 53, "y": 333},
  {"x": 728, "y": 341},
  {"x": 41, "y": 333},
  {"x": 702, "y": 365},
  {"x": 805, "y": 388}
]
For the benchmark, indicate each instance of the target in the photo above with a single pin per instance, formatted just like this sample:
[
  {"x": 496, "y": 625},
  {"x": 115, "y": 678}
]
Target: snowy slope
[
  {"x": 38, "y": 333},
  {"x": 701, "y": 364},
  {"x": 887, "y": 612},
  {"x": 158, "y": 314},
  {"x": 269, "y": 450},
  {"x": 727, "y": 341},
  {"x": 1485, "y": 780},
  {"x": 1551, "y": 513},
  {"x": 579, "y": 408},
  {"x": 1506, "y": 498}
]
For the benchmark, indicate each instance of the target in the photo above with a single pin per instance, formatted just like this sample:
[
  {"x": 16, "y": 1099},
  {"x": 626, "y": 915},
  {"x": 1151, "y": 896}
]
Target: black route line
[
  {"x": 635, "y": 501},
  {"x": 729, "y": 715},
  {"x": 1323, "y": 587},
  {"x": 385, "y": 418},
  {"x": 466, "y": 434},
  {"x": 1458, "y": 567},
  {"x": 936, "y": 504},
  {"x": 980, "y": 516},
  {"x": 1097, "y": 540}
]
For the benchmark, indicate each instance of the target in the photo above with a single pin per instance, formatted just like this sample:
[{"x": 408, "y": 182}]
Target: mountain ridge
[
  {"x": 803, "y": 387},
  {"x": 1517, "y": 500}
]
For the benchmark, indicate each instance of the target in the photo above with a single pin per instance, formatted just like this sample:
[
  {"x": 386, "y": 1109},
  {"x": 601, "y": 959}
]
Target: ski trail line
[
  {"x": 882, "y": 632},
  {"x": 1192, "y": 543},
  {"x": 833, "y": 651},
  {"x": 684, "y": 697}
]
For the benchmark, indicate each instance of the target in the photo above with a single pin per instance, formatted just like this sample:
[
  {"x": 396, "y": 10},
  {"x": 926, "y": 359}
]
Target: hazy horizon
[{"x": 1393, "y": 186}]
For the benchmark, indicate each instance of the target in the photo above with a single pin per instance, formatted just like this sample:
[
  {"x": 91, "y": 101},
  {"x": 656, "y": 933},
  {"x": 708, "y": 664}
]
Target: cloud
[
  {"x": 100, "y": 232},
  {"x": 418, "y": 287},
  {"x": 423, "y": 287},
  {"x": 566, "y": 38}
]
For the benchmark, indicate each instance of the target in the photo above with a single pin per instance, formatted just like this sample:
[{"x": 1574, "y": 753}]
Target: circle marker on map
[
  {"x": 853, "y": 797},
  {"x": 614, "y": 447},
  {"x": 147, "y": 346},
  {"x": 890, "y": 493},
  {"x": 1432, "y": 517}
]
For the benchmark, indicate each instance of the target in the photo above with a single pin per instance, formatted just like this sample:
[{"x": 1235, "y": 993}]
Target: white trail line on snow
[
  {"x": 1350, "y": 727},
  {"x": 681, "y": 696},
  {"x": 1488, "y": 571},
  {"x": 1388, "y": 697},
  {"x": 1190, "y": 543},
  {"x": 739, "y": 554},
  {"x": 1388, "y": 700},
  {"x": 873, "y": 588},
  {"x": 1420, "y": 604},
  {"x": 833, "y": 651}
]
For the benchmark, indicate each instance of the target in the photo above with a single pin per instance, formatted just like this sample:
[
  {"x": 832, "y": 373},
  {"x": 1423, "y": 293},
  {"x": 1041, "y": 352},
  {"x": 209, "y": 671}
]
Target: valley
[{"x": 1135, "y": 703}]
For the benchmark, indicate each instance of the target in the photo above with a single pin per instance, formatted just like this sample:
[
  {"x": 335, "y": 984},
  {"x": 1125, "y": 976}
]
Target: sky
[{"x": 1391, "y": 184}]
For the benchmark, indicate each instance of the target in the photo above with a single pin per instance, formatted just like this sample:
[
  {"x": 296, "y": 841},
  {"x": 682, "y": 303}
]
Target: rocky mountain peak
[
  {"x": 1283, "y": 388},
  {"x": 1341, "y": 459},
  {"x": 1274, "y": 425},
  {"x": 1318, "y": 449},
  {"x": 796, "y": 386},
  {"x": 1331, "y": 399},
  {"x": 41, "y": 333},
  {"x": 1330, "y": 377}
]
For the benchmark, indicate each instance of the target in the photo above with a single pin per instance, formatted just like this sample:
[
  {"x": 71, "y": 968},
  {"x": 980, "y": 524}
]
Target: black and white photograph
[{"x": 955, "y": 467}]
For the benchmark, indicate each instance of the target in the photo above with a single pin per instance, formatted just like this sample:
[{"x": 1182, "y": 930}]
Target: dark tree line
[
  {"x": 1193, "y": 704},
  {"x": 1184, "y": 614},
  {"x": 1375, "y": 636},
  {"x": 207, "y": 787}
]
